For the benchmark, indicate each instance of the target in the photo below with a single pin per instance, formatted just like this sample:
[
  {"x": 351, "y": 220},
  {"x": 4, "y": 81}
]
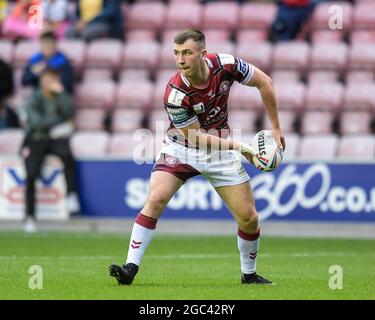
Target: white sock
[
  {"x": 143, "y": 231},
  {"x": 248, "y": 245}
]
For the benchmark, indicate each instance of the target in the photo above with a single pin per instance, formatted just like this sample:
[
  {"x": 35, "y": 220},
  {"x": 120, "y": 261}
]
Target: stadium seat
[
  {"x": 104, "y": 53},
  {"x": 163, "y": 75},
  {"x": 256, "y": 53},
  {"x": 96, "y": 74},
  {"x": 257, "y": 15},
  {"x": 220, "y": 47},
  {"x": 76, "y": 50},
  {"x": 326, "y": 36},
  {"x": 90, "y": 143},
  {"x": 290, "y": 96},
  {"x": 322, "y": 77},
  {"x": 360, "y": 76},
  {"x": 362, "y": 56},
  {"x": 363, "y": 16},
  {"x": 287, "y": 119},
  {"x": 134, "y": 75},
  {"x": 292, "y": 55},
  {"x": 158, "y": 120},
  {"x": 140, "y": 35},
  {"x": 130, "y": 94},
  {"x": 6, "y": 50},
  {"x": 158, "y": 95},
  {"x": 127, "y": 120},
  {"x": 326, "y": 56},
  {"x": 360, "y": 96},
  {"x": 221, "y": 15},
  {"x": 292, "y": 141},
  {"x": 89, "y": 119},
  {"x": 95, "y": 94},
  {"x": 318, "y": 147},
  {"x": 362, "y": 36},
  {"x": 324, "y": 97},
  {"x": 355, "y": 122},
  {"x": 167, "y": 58},
  {"x": 323, "y": 15},
  {"x": 144, "y": 55},
  {"x": 137, "y": 146},
  {"x": 243, "y": 97},
  {"x": 146, "y": 15},
  {"x": 167, "y": 36},
  {"x": 10, "y": 141},
  {"x": 177, "y": 17},
  {"x": 285, "y": 76},
  {"x": 217, "y": 35},
  {"x": 247, "y": 36},
  {"x": 243, "y": 120},
  {"x": 23, "y": 51},
  {"x": 357, "y": 147},
  {"x": 317, "y": 122}
]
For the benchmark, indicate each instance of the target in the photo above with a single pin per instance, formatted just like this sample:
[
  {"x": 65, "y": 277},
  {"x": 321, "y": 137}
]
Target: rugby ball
[{"x": 270, "y": 156}]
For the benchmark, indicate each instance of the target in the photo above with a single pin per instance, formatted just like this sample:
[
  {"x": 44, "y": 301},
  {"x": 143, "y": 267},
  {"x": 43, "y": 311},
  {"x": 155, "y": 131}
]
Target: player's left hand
[
  {"x": 248, "y": 152},
  {"x": 280, "y": 140}
]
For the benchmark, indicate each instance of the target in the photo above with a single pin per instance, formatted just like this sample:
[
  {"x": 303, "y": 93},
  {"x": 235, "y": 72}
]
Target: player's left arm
[{"x": 264, "y": 84}]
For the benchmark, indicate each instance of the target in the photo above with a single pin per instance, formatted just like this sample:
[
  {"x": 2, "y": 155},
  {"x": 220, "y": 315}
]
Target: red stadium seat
[
  {"x": 217, "y": 35},
  {"x": 104, "y": 53},
  {"x": 362, "y": 56},
  {"x": 325, "y": 56},
  {"x": 134, "y": 75},
  {"x": 23, "y": 51},
  {"x": 89, "y": 119},
  {"x": 322, "y": 77},
  {"x": 90, "y": 143},
  {"x": 256, "y": 53},
  {"x": 251, "y": 36},
  {"x": 10, "y": 141},
  {"x": 158, "y": 120},
  {"x": 6, "y": 50},
  {"x": 292, "y": 141},
  {"x": 95, "y": 94},
  {"x": 244, "y": 97},
  {"x": 146, "y": 15},
  {"x": 318, "y": 147},
  {"x": 162, "y": 76},
  {"x": 132, "y": 94},
  {"x": 144, "y": 55},
  {"x": 359, "y": 76},
  {"x": 97, "y": 75},
  {"x": 287, "y": 119},
  {"x": 167, "y": 36},
  {"x": 257, "y": 15},
  {"x": 357, "y": 147},
  {"x": 363, "y": 17},
  {"x": 362, "y": 36},
  {"x": 355, "y": 122},
  {"x": 75, "y": 49},
  {"x": 137, "y": 146},
  {"x": 285, "y": 76},
  {"x": 243, "y": 120},
  {"x": 220, "y": 47},
  {"x": 140, "y": 35},
  {"x": 158, "y": 95},
  {"x": 184, "y": 15},
  {"x": 324, "y": 15},
  {"x": 360, "y": 96},
  {"x": 324, "y": 97},
  {"x": 221, "y": 15},
  {"x": 167, "y": 58},
  {"x": 327, "y": 36},
  {"x": 290, "y": 96},
  {"x": 292, "y": 55},
  {"x": 127, "y": 120},
  {"x": 317, "y": 122}
]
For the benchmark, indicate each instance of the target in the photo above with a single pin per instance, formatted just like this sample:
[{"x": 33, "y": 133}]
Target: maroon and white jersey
[{"x": 185, "y": 104}]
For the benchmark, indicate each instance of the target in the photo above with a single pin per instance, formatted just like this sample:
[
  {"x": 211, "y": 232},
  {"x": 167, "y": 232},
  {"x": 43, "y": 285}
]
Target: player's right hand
[{"x": 248, "y": 152}]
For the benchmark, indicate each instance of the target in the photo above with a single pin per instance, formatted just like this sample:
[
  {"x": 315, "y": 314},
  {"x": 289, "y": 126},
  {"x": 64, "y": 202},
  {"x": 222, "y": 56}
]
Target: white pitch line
[{"x": 195, "y": 256}]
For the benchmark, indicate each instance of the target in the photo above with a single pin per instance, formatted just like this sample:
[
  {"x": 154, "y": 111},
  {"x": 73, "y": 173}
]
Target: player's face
[{"x": 189, "y": 57}]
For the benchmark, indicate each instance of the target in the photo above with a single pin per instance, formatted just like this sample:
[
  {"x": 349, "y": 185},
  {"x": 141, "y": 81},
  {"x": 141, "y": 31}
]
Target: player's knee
[
  {"x": 157, "y": 202},
  {"x": 250, "y": 220}
]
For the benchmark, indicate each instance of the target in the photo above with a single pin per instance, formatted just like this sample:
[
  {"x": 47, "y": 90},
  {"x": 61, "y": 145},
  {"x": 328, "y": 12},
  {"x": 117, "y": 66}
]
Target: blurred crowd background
[{"x": 114, "y": 59}]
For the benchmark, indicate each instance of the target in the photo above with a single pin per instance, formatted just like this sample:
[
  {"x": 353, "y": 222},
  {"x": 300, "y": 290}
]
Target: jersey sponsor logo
[
  {"x": 242, "y": 66},
  {"x": 178, "y": 114},
  {"x": 199, "y": 107},
  {"x": 224, "y": 87},
  {"x": 176, "y": 97}
]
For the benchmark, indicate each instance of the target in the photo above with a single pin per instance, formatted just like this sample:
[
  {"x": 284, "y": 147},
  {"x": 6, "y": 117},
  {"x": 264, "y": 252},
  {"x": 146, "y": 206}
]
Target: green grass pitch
[{"x": 75, "y": 266}]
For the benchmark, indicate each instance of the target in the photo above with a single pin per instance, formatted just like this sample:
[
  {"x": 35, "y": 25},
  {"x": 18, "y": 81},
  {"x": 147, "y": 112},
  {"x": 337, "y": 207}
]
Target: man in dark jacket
[
  {"x": 48, "y": 128},
  {"x": 49, "y": 57}
]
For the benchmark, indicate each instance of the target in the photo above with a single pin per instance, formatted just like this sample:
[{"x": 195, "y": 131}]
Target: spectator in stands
[
  {"x": 55, "y": 16},
  {"x": 19, "y": 23},
  {"x": 49, "y": 57},
  {"x": 290, "y": 18},
  {"x": 8, "y": 118},
  {"x": 98, "y": 19},
  {"x": 48, "y": 128}
]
